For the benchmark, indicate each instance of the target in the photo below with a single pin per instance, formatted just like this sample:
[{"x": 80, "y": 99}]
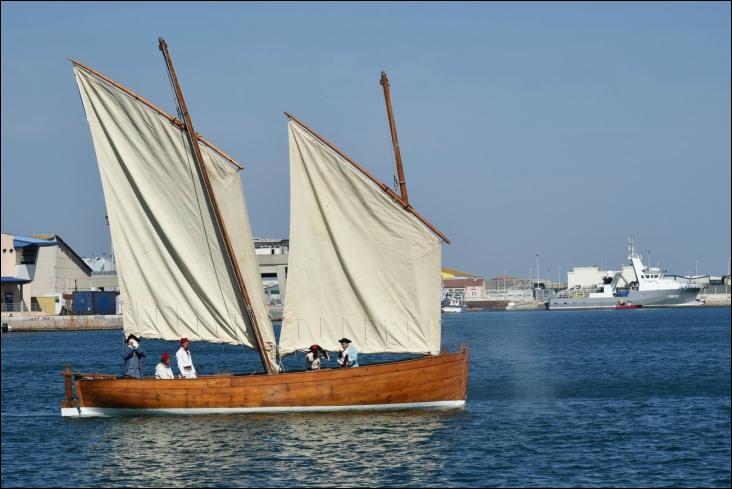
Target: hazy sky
[{"x": 556, "y": 129}]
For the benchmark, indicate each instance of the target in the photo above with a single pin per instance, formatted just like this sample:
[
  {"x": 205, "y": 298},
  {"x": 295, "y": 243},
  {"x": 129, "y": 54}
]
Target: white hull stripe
[{"x": 95, "y": 411}]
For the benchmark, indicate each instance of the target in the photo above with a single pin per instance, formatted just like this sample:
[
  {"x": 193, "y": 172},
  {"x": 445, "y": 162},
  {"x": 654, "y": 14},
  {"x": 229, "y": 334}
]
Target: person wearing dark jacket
[{"x": 132, "y": 355}]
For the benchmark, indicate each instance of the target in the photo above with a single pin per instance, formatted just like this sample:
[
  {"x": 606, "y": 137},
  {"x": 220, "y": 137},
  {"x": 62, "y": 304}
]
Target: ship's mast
[
  {"x": 394, "y": 138},
  {"x": 198, "y": 158}
]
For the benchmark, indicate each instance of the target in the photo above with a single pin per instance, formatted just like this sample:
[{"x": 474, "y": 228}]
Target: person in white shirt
[
  {"x": 185, "y": 362},
  {"x": 163, "y": 370},
  {"x": 314, "y": 356}
]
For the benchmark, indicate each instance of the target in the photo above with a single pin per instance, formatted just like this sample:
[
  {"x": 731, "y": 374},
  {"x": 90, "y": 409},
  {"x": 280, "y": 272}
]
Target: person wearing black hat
[
  {"x": 313, "y": 357},
  {"x": 132, "y": 355},
  {"x": 348, "y": 356}
]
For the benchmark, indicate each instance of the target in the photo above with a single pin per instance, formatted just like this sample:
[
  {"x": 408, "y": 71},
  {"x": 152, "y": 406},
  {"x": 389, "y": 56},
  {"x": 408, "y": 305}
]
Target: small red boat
[{"x": 628, "y": 306}]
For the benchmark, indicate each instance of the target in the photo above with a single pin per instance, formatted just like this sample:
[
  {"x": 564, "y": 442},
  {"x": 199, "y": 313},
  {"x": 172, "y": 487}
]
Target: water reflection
[{"x": 331, "y": 449}]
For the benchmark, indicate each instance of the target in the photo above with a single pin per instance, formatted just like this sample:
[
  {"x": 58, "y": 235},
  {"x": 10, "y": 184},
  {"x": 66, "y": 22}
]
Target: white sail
[
  {"x": 360, "y": 266},
  {"x": 175, "y": 277}
]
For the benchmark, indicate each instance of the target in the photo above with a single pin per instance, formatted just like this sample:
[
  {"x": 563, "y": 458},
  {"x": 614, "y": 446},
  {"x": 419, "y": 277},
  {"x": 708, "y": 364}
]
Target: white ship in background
[
  {"x": 651, "y": 287},
  {"x": 453, "y": 303}
]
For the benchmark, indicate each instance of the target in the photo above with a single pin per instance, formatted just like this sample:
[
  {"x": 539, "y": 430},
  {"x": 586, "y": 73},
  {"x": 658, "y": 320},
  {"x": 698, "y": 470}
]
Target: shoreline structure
[{"x": 29, "y": 322}]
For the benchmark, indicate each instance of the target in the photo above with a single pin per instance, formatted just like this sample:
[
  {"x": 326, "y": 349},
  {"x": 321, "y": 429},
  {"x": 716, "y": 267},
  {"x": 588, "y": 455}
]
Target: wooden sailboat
[{"x": 187, "y": 267}]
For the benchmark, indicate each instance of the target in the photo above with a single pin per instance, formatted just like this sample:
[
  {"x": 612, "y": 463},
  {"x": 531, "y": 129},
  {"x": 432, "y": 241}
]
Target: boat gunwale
[{"x": 356, "y": 372}]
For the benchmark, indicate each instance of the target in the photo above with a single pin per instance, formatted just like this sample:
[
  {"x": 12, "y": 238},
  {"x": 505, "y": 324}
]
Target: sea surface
[{"x": 627, "y": 398}]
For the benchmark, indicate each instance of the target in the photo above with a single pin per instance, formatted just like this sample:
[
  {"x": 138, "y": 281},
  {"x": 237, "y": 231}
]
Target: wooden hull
[{"x": 433, "y": 381}]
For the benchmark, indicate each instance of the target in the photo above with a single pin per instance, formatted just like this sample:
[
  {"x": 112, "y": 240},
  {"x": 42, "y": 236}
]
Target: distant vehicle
[{"x": 453, "y": 305}]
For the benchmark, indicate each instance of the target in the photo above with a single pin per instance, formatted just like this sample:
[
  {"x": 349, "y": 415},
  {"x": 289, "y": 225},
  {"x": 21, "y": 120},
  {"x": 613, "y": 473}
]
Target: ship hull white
[
  {"x": 96, "y": 411},
  {"x": 452, "y": 309},
  {"x": 651, "y": 298}
]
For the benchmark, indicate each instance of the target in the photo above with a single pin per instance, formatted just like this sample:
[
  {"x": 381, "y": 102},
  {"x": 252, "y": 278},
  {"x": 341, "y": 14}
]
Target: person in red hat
[
  {"x": 185, "y": 361},
  {"x": 163, "y": 370},
  {"x": 314, "y": 356}
]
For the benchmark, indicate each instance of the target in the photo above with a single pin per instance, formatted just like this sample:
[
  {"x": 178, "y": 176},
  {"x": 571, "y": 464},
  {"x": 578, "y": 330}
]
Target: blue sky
[{"x": 525, "y": 128}]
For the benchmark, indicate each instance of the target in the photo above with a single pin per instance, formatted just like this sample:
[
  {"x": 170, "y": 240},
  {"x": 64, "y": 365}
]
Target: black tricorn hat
[
  {"x": 344, "y": 340},
  {"x": 132, "y": 337}
]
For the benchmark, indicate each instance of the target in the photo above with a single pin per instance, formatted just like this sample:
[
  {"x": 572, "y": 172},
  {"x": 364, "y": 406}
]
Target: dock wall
[{"x": 61, "y": 323}]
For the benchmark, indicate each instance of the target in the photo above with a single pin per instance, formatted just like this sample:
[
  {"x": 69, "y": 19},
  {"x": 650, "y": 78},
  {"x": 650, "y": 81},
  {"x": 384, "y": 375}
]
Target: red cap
[
  {"x": 164, "y": 357},
  {"x": 183, "y": 340}
]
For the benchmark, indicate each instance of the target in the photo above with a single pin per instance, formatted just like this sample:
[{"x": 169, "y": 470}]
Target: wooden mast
[
  {"x": 198, "y": 157},
  {"x": 394, "y": 138}
]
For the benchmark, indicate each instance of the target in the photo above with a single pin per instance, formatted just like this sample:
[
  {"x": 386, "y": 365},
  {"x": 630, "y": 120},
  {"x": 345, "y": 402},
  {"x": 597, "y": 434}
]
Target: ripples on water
[{"x": 619, "y": 398}]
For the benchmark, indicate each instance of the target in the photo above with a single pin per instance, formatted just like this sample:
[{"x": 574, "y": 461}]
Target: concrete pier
[
  {"x": 60, "y": 323},
  {"x": 715, "y": 299}
]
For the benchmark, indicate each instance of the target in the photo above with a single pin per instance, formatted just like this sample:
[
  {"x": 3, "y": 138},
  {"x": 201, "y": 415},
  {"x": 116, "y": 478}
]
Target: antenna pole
[
  {"x": 198, "y": 157},
  {"x": 394, "y": 139}
]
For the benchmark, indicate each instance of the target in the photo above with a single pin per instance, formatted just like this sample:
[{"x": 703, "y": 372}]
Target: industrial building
[{"x": 40, "y": 273}]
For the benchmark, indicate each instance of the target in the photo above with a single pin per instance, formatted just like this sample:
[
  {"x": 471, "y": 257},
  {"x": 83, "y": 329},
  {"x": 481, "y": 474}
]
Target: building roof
[
  {"x": 448, "y": 273},
  {"x": 63, "y": 243},
  {"x": 24, "y": 241},
  {"x": 14, "y": 280},
  {"x": 458, "y": 283}
]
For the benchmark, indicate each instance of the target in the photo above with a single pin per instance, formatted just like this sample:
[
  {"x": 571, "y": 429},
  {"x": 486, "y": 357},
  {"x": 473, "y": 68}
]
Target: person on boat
[
  {"x": 132, "y": 355},
  {"x": 348, "y": 356},
  {"x": 163, "y": 370},
  {"x": 314, "y": 356},
  {"x": 185, "y": 361}
]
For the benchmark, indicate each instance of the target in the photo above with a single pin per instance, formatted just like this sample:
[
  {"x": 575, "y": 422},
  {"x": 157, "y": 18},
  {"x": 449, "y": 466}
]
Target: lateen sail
[
  {"x": 360, "y": 266},
  {"x": 175, "y": 277}
]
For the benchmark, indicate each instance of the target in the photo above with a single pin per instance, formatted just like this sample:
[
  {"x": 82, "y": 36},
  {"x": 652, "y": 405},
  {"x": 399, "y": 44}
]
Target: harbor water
[{"x": 567, "y": 398}]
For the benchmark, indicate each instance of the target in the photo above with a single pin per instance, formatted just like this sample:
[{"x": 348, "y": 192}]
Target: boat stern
[{"x": 71, "y": 405}]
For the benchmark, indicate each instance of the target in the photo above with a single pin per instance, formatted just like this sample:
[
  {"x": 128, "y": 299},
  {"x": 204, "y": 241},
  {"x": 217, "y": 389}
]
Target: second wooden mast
[
  {"x": 394, "y": 139},
  {"x": 198, "y": 157}
]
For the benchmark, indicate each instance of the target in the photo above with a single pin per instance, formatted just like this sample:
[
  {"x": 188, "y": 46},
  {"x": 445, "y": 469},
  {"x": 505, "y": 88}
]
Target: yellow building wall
[{"x": 48, "y": 304}]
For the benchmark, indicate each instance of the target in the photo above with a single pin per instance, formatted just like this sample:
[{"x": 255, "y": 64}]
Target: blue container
[
  {"x": 623, "y": 293},
  {"x": 94, "y": 302},
  {"x": 105, "y": 302},
  {"x": 83, "y": 302}
]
